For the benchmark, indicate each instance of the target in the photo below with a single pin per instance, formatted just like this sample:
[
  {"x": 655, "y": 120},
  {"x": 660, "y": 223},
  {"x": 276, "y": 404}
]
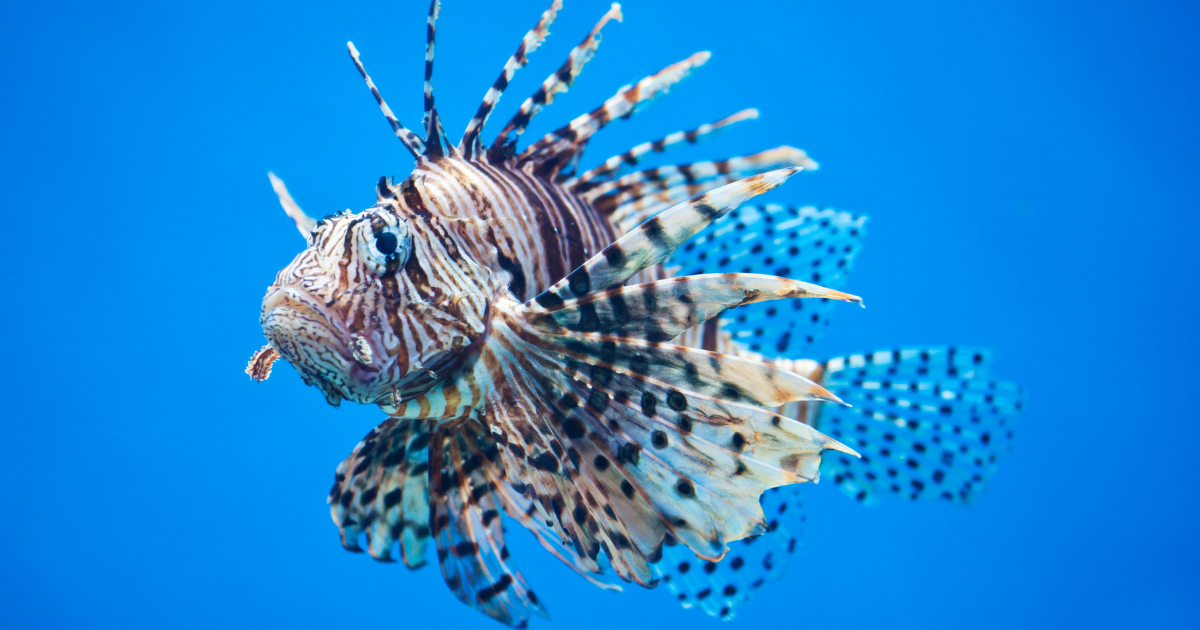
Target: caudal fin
[{"x": 930, "y": 422}]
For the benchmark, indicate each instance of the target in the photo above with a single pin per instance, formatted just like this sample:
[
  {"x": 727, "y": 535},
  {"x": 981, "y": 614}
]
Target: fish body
[{"x": 517, "y": 320}]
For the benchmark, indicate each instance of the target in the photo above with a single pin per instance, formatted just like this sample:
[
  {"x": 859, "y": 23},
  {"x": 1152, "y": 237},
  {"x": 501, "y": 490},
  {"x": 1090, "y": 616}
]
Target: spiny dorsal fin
[
  {"x": 635, "y": 197},
  {"x": 563, "y": 144},
  {"x": 554, "y": 84},
  {"x": 410, "y": 140},
  {"x": 610, "y": 167},
  {"x": 470, "y": 144},
  {"x": 434, "y": 135},
  {"x": 662, "y": 177}
]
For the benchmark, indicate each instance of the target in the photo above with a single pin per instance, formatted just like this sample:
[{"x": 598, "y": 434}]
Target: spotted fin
[
  {"x": 930, "y": 422},
  {"x": 719, "y": 588},
  {"x": 817, "y": 245},
  {"x": 466, "y": 522},
  {"x": 382, "y": 489}
]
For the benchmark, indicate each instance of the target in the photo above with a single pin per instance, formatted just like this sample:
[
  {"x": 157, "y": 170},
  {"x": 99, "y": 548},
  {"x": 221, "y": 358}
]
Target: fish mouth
[{"x": 315, "y": 341}]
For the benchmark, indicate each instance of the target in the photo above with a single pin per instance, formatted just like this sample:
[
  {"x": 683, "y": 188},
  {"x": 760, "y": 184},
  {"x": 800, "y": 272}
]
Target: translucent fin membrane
[
  {"x": 818, "y": 245},
  {"x": 720, "y": 588},
  {"x": 381, "y": 489},
  {"x": 930, "y": 422}
]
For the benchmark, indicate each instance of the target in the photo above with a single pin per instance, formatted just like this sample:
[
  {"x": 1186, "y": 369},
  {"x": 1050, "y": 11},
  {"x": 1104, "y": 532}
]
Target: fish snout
[{"x": 315, "y": 341}]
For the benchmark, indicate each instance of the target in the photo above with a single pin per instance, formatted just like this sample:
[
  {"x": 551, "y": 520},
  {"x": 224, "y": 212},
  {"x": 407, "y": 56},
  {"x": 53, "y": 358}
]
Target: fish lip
[
  {"x": 291, "y": 297},
  {"x": 350, "y": 379}
]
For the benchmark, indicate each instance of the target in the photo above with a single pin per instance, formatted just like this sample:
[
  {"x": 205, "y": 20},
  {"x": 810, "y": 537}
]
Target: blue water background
[{"x": 1030, "y": 173}]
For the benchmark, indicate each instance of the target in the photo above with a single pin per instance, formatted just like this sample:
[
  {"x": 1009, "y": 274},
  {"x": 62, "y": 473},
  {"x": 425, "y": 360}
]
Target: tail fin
[{"x": 930, "y": 422}]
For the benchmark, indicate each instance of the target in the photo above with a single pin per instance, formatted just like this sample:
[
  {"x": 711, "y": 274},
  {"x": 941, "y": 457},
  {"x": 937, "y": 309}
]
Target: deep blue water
[{"x": 1029, "y": 171}]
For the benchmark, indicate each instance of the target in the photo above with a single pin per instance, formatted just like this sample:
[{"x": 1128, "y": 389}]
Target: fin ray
[
  {"x": 470, "y": 145},
  {"x": 612, "y": 166},
  {"x": 410, "y": 140},
  {"x": 565, "y": 144},
  {"x": 467, "y": 528},
  {"x": 562, "y": 79}
]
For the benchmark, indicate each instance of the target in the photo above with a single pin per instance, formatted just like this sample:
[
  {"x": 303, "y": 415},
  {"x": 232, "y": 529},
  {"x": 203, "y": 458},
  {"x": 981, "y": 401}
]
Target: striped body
[{"x": 540, "y": 230}]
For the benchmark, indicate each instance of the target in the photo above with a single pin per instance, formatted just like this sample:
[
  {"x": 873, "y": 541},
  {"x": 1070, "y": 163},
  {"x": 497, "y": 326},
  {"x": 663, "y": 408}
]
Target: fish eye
[{"x": 386, "y": 243}]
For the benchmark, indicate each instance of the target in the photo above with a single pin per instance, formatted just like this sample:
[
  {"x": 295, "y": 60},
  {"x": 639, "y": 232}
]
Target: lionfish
[{"x": 518, "y": 321}]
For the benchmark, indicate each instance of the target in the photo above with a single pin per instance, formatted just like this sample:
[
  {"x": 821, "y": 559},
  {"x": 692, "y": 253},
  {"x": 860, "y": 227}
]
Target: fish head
[{"x": 378, "y": 308}]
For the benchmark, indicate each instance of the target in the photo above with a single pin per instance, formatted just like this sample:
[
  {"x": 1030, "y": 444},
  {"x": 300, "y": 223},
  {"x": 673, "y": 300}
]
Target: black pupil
[{"x": 386, "y": 243}]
